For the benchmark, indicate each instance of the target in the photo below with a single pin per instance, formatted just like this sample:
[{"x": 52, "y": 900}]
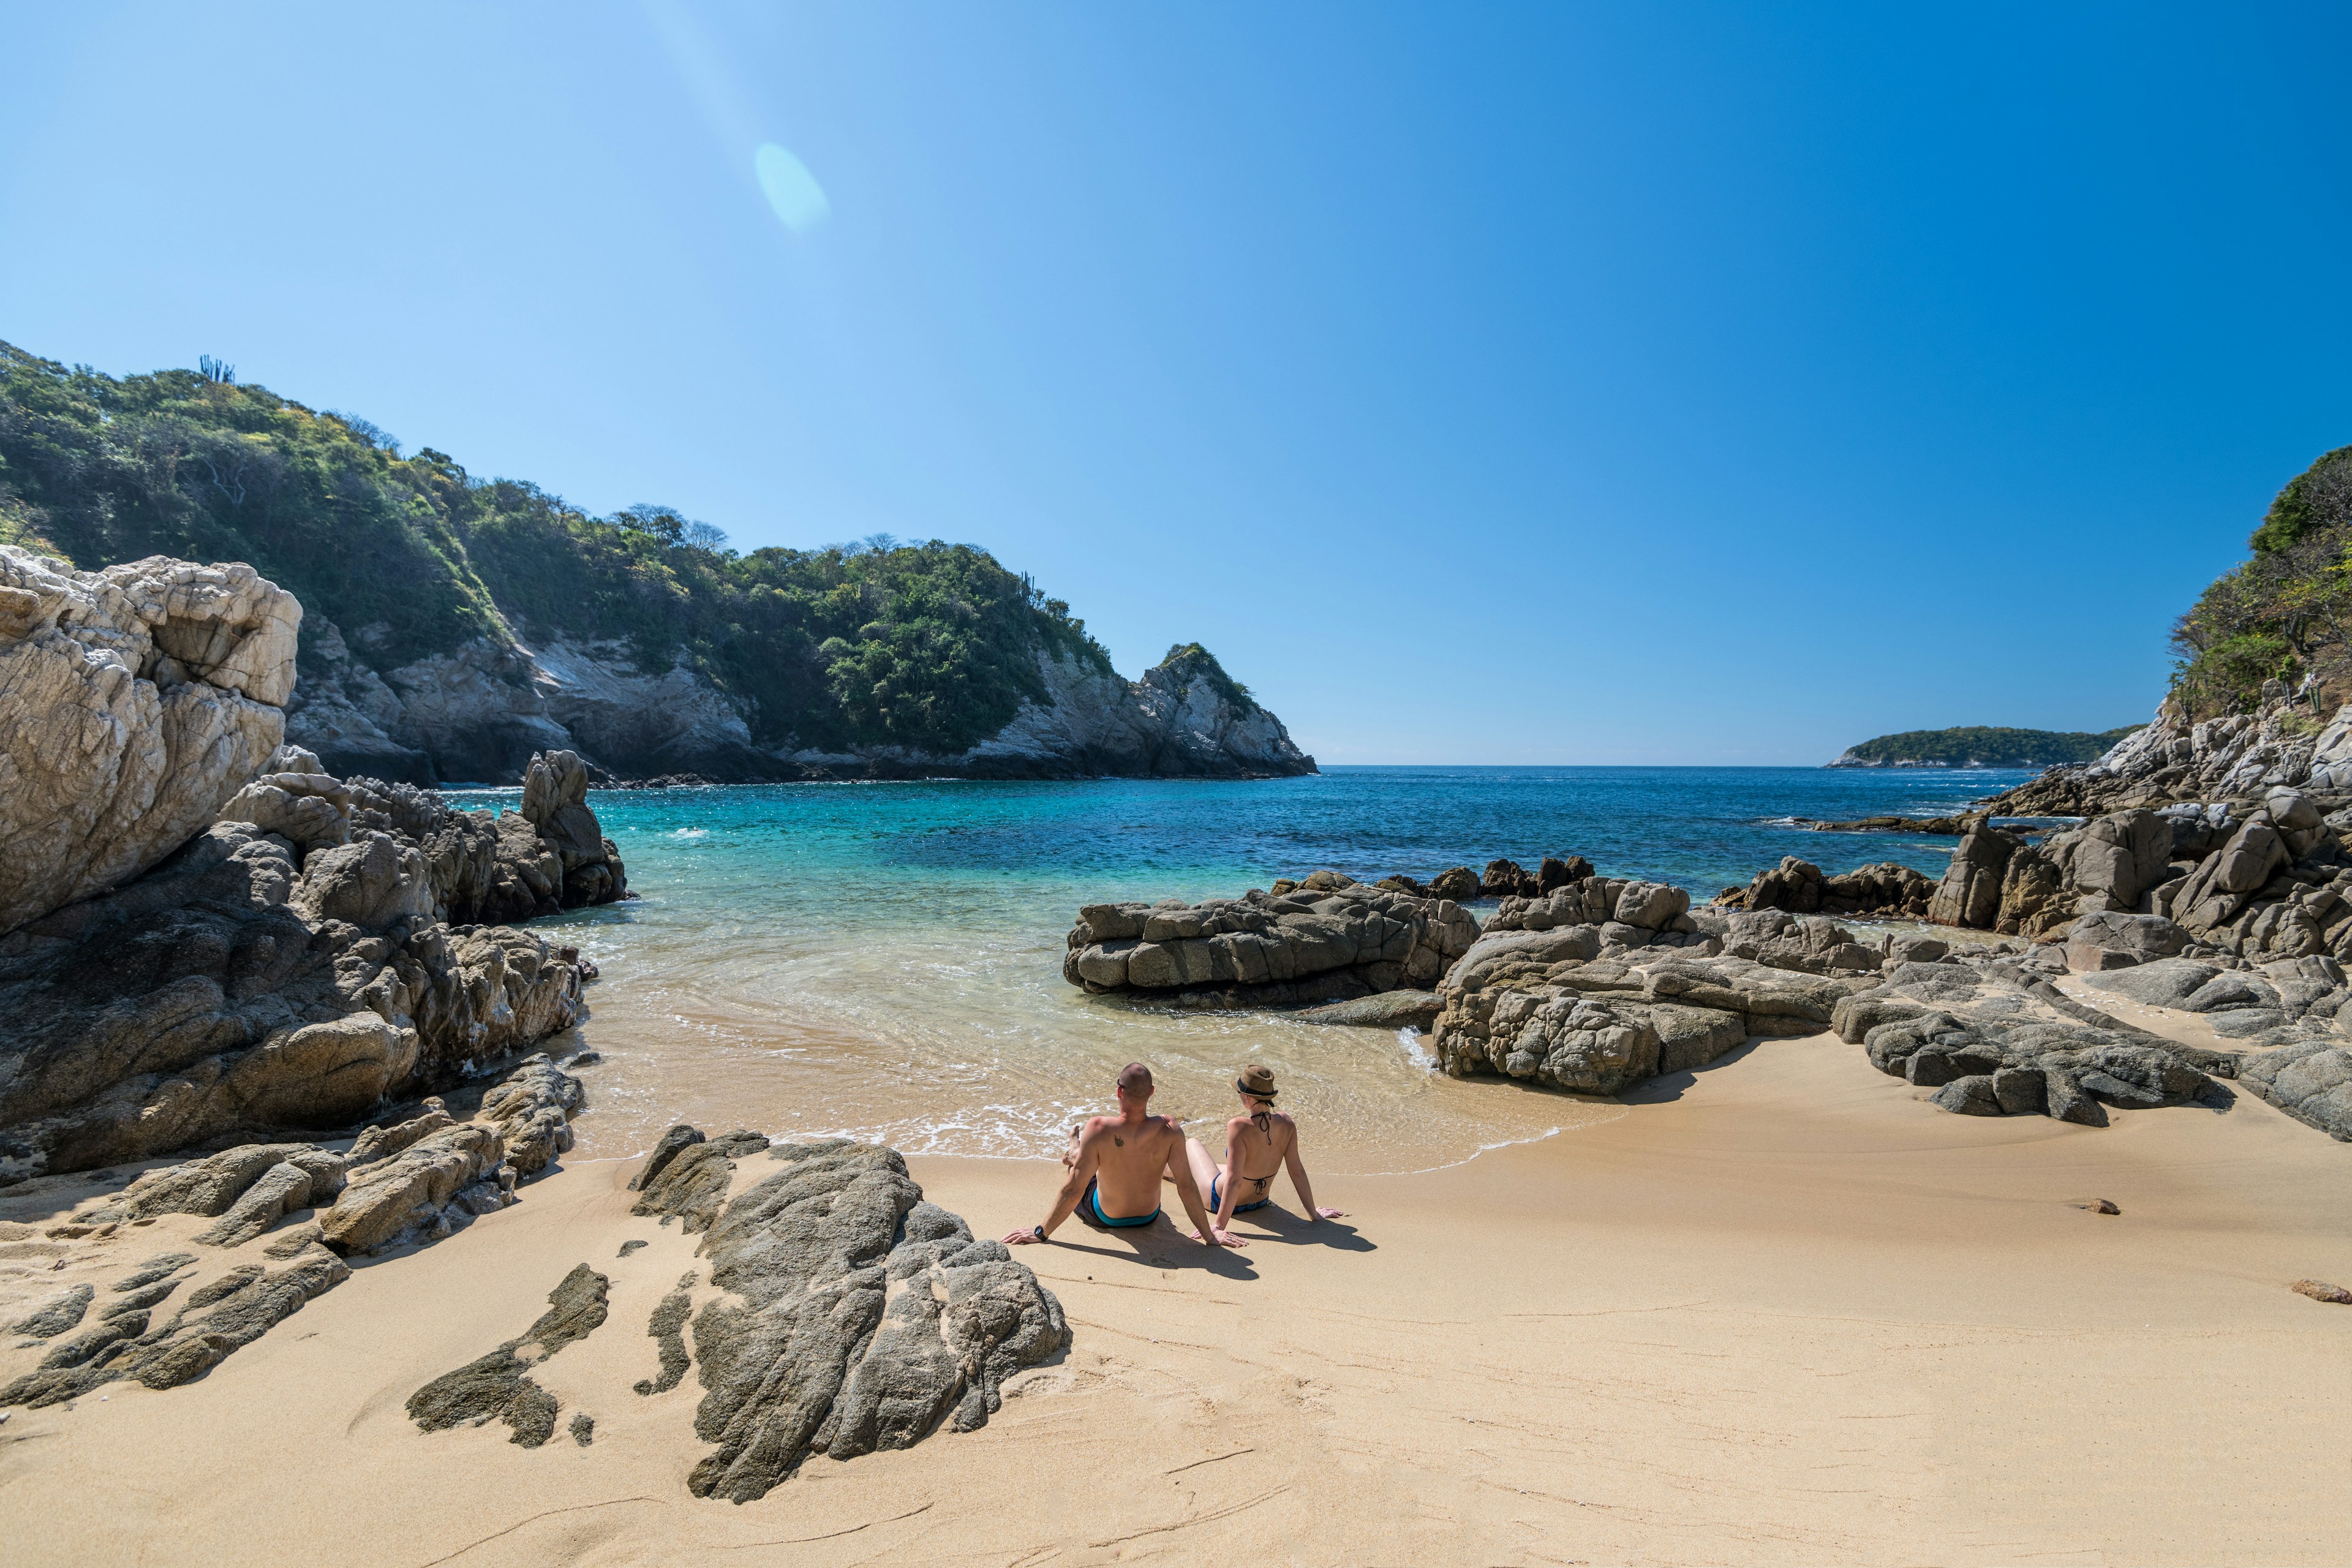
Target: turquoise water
[{"x": 884, "y": 960}]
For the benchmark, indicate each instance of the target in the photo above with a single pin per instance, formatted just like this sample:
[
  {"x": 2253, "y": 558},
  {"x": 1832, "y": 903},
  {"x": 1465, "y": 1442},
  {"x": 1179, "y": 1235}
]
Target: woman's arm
[{"x": 1298, "y": 1168}]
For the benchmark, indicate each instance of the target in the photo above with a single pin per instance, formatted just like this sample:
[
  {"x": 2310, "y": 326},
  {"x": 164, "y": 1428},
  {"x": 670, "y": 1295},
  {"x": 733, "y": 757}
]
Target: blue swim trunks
[{"x": 1093, "y": 1200}]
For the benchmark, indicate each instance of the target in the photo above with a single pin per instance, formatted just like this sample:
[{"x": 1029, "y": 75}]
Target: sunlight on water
[{"x": 885, "y": 961}]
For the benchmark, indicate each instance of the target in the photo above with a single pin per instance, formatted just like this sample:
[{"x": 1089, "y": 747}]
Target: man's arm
[
  {"x": 1298, "y": 1168},
  {"x": 1074, "y": 1187},
  {"x": 1203, "y": 1228}
]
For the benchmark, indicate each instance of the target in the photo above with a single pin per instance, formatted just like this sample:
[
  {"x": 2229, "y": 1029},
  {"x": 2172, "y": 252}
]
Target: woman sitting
[{"x": 1260, "y": 1143}]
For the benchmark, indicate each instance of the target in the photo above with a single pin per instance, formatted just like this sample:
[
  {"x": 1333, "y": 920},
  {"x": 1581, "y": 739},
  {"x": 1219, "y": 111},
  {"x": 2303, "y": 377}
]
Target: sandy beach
[{"x": 1780, "y": 1312}]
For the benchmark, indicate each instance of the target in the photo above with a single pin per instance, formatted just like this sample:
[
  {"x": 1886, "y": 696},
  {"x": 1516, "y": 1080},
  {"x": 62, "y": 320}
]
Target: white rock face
[
  {"x": 2234, "y": 757},
  {"x": 133, "y": 702},
  {"x": 1175, "y": 721}
]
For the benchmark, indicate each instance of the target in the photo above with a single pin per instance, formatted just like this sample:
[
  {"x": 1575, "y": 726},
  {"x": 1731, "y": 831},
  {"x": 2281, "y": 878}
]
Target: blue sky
[{"x": 1686, "y": 384}]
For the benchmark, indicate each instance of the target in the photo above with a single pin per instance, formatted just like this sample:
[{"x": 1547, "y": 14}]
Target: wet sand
[{"x": 1782, "y": 1312}]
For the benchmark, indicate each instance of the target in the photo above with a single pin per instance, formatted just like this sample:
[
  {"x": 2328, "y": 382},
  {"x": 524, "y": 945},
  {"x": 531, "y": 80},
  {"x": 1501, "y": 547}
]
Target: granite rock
[
  {"x": 1331, "y": 937},
  {"x": 133, "y": 701},
  {"x": 855, "y": 1316},
  {"x": 498, "y": 1385}
]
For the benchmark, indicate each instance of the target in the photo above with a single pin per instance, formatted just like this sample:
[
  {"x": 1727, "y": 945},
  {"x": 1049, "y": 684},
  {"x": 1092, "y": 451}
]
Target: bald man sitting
[{"x": 1116, "y": 1164}]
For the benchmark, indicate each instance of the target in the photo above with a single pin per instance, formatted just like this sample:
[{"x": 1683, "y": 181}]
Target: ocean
[{"x": 883, "y": 961}]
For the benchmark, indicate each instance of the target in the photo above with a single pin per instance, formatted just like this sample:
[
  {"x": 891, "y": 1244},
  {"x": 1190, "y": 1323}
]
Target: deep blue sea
[{"x": 884, "y": 960}]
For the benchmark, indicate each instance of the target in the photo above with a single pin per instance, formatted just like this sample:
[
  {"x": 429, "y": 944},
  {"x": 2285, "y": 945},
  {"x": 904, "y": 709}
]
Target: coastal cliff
[
  {"x": 459, "y": 625},
  {"x": 2262, "y": 696},
  {"x": 476, "y": 714}
]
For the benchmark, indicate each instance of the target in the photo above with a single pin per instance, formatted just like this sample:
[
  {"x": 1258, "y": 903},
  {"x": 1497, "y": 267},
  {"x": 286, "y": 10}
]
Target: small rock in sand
[
  {"x": 56, "y": 1313},
  {"x": 2321, "y": 1290}
]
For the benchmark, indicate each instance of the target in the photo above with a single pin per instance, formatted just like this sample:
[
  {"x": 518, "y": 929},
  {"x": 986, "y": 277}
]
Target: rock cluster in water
[
  {"x": 1328, "y": 937},
  {"x": 1884, "y": 891}
]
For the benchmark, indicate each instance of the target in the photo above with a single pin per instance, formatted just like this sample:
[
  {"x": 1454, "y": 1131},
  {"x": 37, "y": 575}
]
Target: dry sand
[{"x": 1780, "y": 1313}]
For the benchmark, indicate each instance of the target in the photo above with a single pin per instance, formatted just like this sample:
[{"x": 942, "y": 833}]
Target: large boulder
[
  {"x": 2310, "y": 1079},
  {"x": 2102, "y": 941},
  {"x": 855, "y": 1316},
  {"x": 2118, "y": 857},
  {"x": 133, "y": 701},
  {"x": 1970, "y": 894},
  {"x": 555, "y": 803}
]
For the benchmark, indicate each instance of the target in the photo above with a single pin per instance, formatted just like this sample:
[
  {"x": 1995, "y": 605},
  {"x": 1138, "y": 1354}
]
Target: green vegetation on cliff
[
  {"x": 930, "y": 646},
  {"x": 1981, "y": 746},
  {"x": 2287, "y": 613},
  {"x": 1206, "y": 664}
]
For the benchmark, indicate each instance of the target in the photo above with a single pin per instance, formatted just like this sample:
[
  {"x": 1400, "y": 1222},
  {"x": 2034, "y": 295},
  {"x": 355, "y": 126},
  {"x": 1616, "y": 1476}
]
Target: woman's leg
[{"x": 1204, "y": 1170}]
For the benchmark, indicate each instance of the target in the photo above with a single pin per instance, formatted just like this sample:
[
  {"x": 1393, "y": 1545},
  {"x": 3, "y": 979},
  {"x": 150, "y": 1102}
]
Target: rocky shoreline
[{"x": 305, "y": 1007}]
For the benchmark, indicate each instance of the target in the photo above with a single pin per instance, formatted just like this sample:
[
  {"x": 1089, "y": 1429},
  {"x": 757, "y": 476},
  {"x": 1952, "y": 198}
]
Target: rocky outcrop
[
  {"x": 133, "y": 701},
  {"x": 213, "y": 1323},
  {"x": 850, "y": 1316},
  {"x": 1884, "y": 891},
  {"x": 289, "y": 973},
  {"x": 1184, "y": 719},
  {"x": 480, "y": 712},
  {"x": 1992, "y": 1036},
  {"x": 2175, "y": 760},
  {"x": 413, "y": 1183},
  {"x": 2263, "y": 880},
  {"x": 1328, "y": 937},
  {"x": 1596, "y": 1006},
  {"x": 2310, "y": 1079},
  {"x": 856, "y": 1316},
  {"x": 1568, "y": 1009}
]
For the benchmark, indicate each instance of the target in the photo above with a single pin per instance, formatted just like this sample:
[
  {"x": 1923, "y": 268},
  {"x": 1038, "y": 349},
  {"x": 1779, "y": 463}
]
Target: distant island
[{"x": 1981, "y": 746}]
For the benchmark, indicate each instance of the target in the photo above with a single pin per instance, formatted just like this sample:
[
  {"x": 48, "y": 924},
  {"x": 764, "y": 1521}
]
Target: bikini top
[{"x": 1264, "y": 1121}]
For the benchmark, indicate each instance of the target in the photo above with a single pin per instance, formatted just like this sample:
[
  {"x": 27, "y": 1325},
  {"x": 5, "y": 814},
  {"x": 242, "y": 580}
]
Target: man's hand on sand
[
  {"x": 1330, "y": 1213},
  {"x": 1224, "y": 1237},
  {"x": 1024, "y": 1236}
]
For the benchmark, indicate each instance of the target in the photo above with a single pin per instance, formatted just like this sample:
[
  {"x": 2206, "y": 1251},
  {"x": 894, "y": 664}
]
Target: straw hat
[{"x": 1257, "y": 1079}]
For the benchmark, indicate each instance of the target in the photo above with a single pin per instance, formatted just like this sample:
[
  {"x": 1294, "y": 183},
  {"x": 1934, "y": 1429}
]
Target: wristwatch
[{"x": 1038, "y": 1231}]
